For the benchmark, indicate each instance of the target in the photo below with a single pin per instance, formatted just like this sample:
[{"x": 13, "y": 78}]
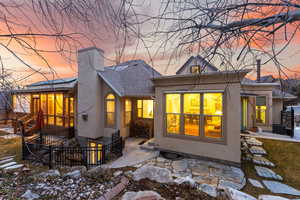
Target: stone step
[
  {"x": 6, "y": 157},
  {"x": 6, "y": 161},
  {"x": 259, "y": 160},
  {"x": 7, "y": 165},
  {"x": 13, "y": 167},
  {"x": 267, "y": 173},
  {"x": 147, "y": 147}
]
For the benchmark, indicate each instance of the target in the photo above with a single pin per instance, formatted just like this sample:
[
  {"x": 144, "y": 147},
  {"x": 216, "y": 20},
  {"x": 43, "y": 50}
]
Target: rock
[
  {"x": 150, "y": 195},
  {"x": 50, "y": 173},
  {"x": 180, "y": 165},
  {"x": 253, "y": 141},
  {"x": 200, "y": 170},
  {"x": 157, "y": 174},
  {"x": 210, "y": 180},
  {"x": 259, "y": 160},
  {"x": 233, "y": 194},
  {"x": 96, "y": 170},
  {"x": 208, "y": 189},
  {"x": 118, "y": 173},
  {"x": 223, "y": 184},
  {"x": 73, "y": 174},
  {"x": 187, "y": 179},
  {"x": 255, "y": 183},
  {"x": 271, "y": 197},
  {"x": 280, "y": 188},
  {"x": 257, "y": 150},
  {"x": 267, "y": 173},
  {"x": 30, "y": 195},
  {"x": 7, "y": 165}
]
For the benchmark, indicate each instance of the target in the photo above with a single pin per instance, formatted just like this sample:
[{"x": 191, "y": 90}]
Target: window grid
[{"x": 201, "y": 116}]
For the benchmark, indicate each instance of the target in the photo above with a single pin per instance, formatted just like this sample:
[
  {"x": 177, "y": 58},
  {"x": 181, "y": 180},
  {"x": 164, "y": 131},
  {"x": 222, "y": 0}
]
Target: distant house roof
[
  {"x": 202, "y": 61},
  {"x": 131, "y": 78},
  {"x": 278, "y": 94},
  {"x": 267, "y": 79},
  {"x": 50, "y": 85}
]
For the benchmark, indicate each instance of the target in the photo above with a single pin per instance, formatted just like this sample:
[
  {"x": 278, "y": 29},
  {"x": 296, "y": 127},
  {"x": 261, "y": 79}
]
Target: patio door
[
  {"x": 35, "y": 105},
  {"x": 244, "y": 113}
]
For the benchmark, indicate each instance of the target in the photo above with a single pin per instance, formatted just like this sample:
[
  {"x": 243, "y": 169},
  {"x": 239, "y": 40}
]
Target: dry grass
[
  {"x": 9, "y": 147},
  {"x": 286, "y": 157}
]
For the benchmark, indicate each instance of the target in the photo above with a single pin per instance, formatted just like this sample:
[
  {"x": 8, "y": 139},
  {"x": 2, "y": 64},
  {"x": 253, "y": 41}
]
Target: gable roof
[
  {"x": 202, "y": 61},
  {"x": 131, "y": 78}
]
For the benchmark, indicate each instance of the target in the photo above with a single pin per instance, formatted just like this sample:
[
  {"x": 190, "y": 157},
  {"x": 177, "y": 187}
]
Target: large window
[
  {"x": 261, "y": 107},
  {"x": 195, "y": 114},
  {"x": 128, "y": 111},
  {"x": 21, "y": 103},
  {"x": 110, "y": 110},
  {"x": 145, "y": 108}
]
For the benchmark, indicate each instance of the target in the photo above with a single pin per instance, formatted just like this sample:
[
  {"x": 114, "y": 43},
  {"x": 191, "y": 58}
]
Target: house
[{"x": 200, "y": 111}]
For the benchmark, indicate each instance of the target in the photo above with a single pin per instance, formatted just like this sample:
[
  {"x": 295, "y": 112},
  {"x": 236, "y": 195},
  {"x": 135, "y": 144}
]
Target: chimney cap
[{"x": 89, "y": 49}]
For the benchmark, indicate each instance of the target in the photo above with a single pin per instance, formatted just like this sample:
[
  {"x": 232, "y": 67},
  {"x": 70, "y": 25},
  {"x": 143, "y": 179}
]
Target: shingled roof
[{"x": 131, "y": 78}]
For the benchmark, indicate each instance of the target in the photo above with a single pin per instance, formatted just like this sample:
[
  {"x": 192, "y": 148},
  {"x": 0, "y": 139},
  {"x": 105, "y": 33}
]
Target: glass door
[{"x": 244, "y": 113}]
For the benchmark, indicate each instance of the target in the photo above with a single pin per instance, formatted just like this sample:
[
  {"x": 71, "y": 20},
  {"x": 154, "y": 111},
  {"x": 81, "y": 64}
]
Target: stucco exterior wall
[
  {"x": 277, "y": 108},
  {"x": 260, "y": 91},
  {"x": 229, "y": 150}
]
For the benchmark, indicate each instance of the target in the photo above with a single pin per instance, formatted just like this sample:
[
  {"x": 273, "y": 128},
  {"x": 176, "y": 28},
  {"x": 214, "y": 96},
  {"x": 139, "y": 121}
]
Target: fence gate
[{"x": 288, "y": 121}]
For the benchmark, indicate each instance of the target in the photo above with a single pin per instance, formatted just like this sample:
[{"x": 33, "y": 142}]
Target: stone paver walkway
[
  {"x": 280, "y": 188},
  {"x": 259, "y": 160},
  {"x": 202, "y": 172},
  {"x": 257, "y": 150},
  {"x": 132, "y": 154}
]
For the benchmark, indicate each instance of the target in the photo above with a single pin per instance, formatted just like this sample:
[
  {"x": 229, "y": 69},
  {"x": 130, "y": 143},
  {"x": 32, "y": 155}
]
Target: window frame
[
  {"x": 142, "y": 109},
  {"x": 125, "y": 113},
  {"x": 105, "y": 110},
  {"x": 201, "y": 137}
]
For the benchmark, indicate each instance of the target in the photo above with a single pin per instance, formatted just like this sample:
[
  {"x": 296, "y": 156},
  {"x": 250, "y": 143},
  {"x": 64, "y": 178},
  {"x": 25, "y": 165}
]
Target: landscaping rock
[
  {"x": 200, "y": 170},
  {"x": 267, "y": 173},
  {"x": 271, "y": 197},
  {"x": 229, "y": 184},
  {"x": 259, "y": 160},
  {"x": 149, "y": 195},
  {"x": 210, "y": 180},
  {"x": 208, "y": 189},
  {"x": 118, "y": 173},
  {"x": 73, "y": 174},
  {"x": 257, "y": 150},
  {"x": 280, "y": 188},
  {"x": 255, "y": 183},
  {"x": 157, "y": 174},
  {"x": 30, "y": 195},
  {"x": 233, "y": 194},
  {"x": 180, "y": 165},
  {"x": 50, "y": 173},
  {"x": 187, "y": 179}
]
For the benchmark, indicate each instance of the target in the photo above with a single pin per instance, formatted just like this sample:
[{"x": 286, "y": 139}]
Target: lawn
[{"x": 286, "y": 157}]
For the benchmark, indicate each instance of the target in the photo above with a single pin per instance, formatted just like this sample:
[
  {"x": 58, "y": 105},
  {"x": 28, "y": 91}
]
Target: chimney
[
  {"x": 92, "y": 57},
  {"x": 258, "y": 67},
  {"x": 89, "y": 92}
]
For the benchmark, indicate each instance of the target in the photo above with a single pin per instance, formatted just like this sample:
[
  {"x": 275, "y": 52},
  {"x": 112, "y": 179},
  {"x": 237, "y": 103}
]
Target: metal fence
[
  {"x": 50, "y": 151},
  {"x": 286, "y": 127}
]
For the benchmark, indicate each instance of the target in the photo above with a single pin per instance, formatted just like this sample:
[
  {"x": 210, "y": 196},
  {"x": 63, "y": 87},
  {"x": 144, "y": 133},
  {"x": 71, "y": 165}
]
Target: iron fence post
[{"x": 50, "y": 157}]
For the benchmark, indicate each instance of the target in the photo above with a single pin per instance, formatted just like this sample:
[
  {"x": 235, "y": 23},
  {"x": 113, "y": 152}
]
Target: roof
[
  {"x": 201, "y": 60},
  {"x": 250, "y": 82},
  {"x": 131, "y": 78},
  {"x": 278, "y": 94},
  {"x": 50, "y": 85},
  {"x": 267, "y": 79}
]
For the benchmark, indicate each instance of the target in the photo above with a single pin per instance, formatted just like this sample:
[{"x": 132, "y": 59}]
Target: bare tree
[{"x": 234, "y": 32}]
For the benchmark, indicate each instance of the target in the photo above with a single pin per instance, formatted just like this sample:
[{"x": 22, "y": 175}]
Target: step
[
  {"x": 6, "y": 161},
  {"x": 7, "y": 165},
  {"x": 6, "y": 157},
  {"x": 13, "y": 167}
]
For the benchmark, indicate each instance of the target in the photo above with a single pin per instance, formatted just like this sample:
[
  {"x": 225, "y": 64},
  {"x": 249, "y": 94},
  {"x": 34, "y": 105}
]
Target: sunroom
[{"x": 199, "y": 115}]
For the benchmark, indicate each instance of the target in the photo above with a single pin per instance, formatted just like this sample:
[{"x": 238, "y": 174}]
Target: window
[
  {"x": 110, "y": 110},
  {"x": 195, "y": 69},
  {"x": 194, "y": 114},
  {"x": 213, "y": 115},
  {"x": 145, "y": 108},
  {"x": 128, "y": 110},
  {"x": 21, "y": 103},
  {"x": 95, "y": 152},
  {"x": 261, "y": 107}
]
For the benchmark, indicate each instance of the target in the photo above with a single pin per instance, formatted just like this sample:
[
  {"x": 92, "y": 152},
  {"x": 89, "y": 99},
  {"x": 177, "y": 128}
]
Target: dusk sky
[{"x": 25, "y": 20}]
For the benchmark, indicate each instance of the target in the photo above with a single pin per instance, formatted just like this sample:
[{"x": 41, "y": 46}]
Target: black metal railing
[
  {"x": 50, "y": 151},
  {"x": 286, "y": 127}
]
